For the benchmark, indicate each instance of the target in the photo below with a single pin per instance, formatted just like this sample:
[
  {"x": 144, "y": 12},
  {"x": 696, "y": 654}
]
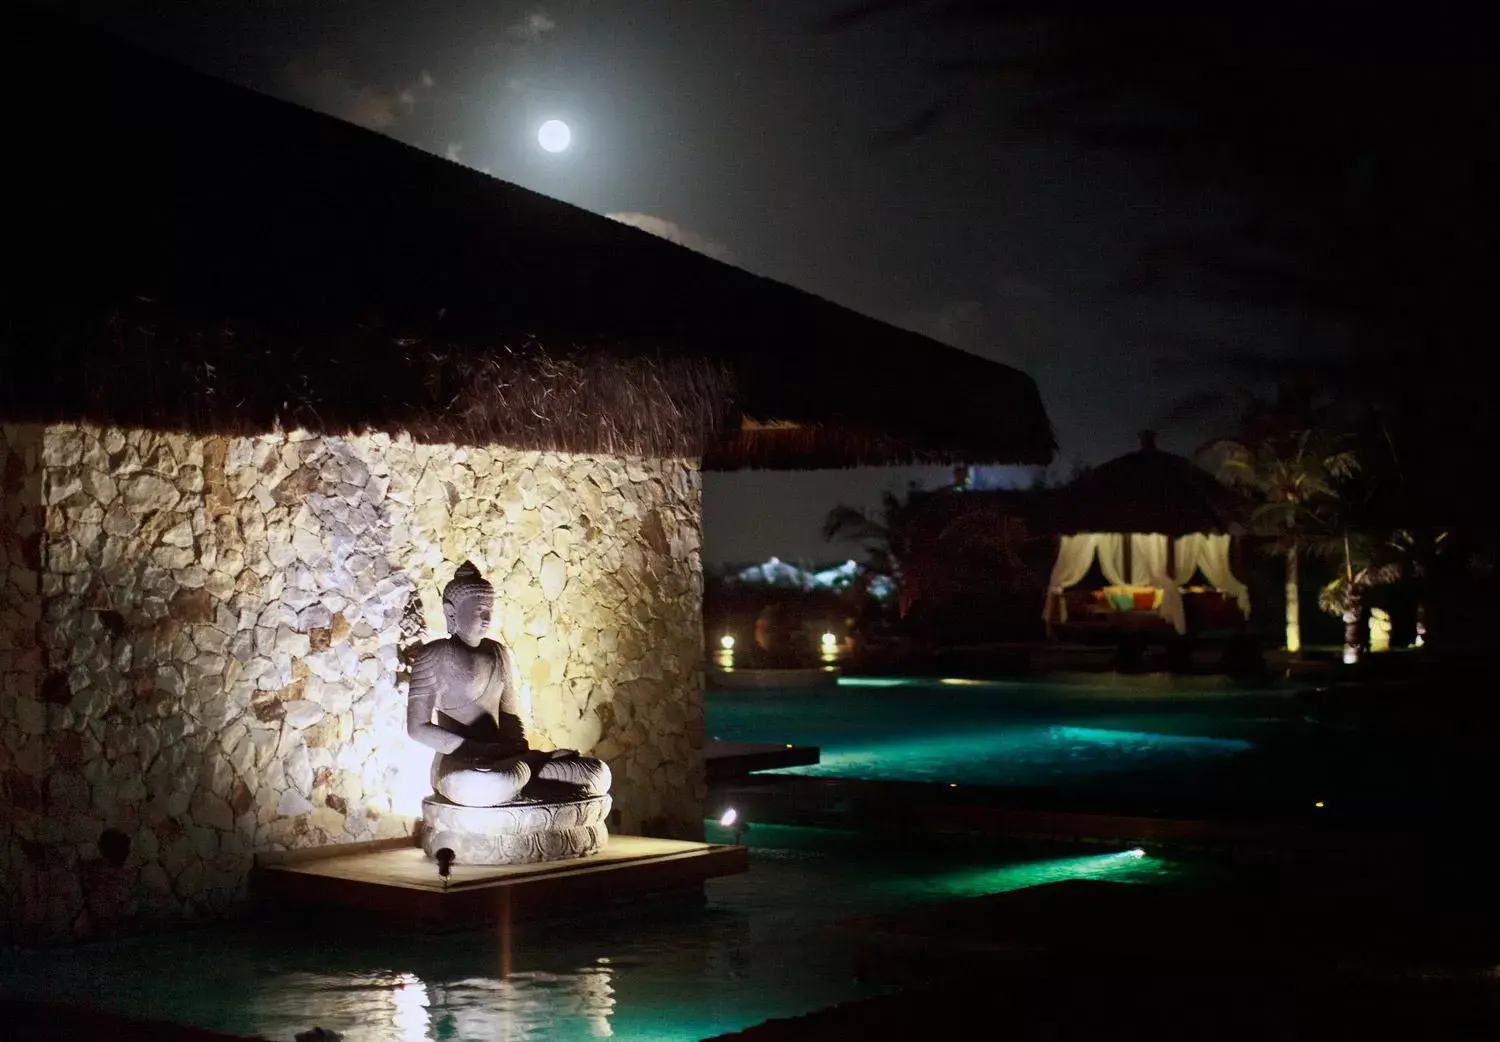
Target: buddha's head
[{"x": 468, "y": 605}]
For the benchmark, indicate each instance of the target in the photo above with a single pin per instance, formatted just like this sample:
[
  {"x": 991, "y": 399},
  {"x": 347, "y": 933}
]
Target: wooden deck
[
  {"x": 736, "y": 759},
  {"x": 394, "y": 880}
]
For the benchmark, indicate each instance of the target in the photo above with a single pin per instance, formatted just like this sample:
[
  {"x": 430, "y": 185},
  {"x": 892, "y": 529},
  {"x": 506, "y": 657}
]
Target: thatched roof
[
  {"x": 190, "y": 254},
  {"x": 1148, "y": 490}
]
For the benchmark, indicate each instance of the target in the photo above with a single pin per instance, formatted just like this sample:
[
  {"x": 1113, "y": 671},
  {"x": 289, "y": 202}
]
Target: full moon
[{"x": 554, "y": 136}]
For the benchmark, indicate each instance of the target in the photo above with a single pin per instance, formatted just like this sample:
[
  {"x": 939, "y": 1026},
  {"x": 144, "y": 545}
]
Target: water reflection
[
  {"x": 402, "y": 1007},
  {"x": 411, "y": 1000},
  {"x": 525, "y": 1005}
]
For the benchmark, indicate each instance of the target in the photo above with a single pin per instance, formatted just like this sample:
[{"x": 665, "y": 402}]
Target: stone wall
[{"x": 201, "y": 637}]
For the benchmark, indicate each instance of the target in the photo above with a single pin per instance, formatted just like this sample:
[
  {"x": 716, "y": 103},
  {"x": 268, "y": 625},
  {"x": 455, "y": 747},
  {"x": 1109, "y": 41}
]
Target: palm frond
[{"x": 851, "y": 524}]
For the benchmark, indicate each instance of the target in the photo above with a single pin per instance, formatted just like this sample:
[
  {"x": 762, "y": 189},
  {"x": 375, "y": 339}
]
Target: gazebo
[{"x": 1152, "y": 520}]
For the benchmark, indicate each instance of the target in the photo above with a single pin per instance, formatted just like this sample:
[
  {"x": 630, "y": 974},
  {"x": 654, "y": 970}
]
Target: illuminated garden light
[
  {"x": 830, "y": 642},
  {"x": 726, "y": 642},
  {"x": 1380, "y": 631}
]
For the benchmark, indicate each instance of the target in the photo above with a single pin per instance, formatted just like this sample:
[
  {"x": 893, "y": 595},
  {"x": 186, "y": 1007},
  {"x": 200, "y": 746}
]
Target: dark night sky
[{"x": 757, "y": 137}]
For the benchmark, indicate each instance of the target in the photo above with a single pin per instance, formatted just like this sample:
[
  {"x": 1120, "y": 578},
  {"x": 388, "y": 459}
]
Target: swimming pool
[
  {"x": 1005, "y": 733},
  {"x": 765, "y": 946}
]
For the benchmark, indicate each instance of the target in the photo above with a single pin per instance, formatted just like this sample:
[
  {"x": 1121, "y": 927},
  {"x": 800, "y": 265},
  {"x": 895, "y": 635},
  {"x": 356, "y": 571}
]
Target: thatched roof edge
[{"x": 196, "y": 256}]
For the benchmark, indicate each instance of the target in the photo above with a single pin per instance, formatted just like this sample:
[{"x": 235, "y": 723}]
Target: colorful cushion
[
  {"x": 1121, "y": 601},
  {"x": 1145, "y": 600}
]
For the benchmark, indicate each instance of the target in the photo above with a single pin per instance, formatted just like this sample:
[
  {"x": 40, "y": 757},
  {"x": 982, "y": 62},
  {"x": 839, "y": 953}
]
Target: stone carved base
[{"x": 519, "y": 833}]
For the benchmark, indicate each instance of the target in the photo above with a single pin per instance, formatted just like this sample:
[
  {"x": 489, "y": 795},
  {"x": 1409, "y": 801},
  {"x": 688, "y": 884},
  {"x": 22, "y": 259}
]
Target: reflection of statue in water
[{"x": 465, "y": 704}]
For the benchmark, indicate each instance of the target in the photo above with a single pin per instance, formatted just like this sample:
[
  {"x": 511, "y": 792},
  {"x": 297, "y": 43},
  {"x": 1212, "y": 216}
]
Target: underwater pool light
[{"x": 1136, "y": 852}]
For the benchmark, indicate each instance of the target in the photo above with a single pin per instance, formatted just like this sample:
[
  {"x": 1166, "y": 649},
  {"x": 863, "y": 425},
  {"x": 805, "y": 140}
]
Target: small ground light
[
  {"x": 445, "y": 858},
  {"x": 829, "y": 641},
  {"x": 1318, "y": 804},
  {"x": 726, "y": 642},
  {"x": 730, "y": 819}
]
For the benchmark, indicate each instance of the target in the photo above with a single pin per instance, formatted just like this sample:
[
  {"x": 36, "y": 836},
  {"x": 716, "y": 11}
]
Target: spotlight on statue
[{"x": 730, "y": 819}]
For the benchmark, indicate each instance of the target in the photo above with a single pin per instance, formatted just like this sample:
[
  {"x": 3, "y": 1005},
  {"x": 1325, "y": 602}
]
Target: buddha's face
[{"x": 469, "y": 617}]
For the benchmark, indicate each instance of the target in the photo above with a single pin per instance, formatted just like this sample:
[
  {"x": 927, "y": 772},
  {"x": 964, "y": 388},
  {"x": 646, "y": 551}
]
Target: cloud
[
  {"x": 533, "y": 27},
  {"x": 673, "y": 232},
  {"x": 452, "y": 151},
  {"x": 325, "y": 83}
]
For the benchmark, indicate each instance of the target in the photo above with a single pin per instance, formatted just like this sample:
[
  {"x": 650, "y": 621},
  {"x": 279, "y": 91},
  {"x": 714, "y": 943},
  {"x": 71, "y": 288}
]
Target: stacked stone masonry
[{"x": 201, "y": 646}]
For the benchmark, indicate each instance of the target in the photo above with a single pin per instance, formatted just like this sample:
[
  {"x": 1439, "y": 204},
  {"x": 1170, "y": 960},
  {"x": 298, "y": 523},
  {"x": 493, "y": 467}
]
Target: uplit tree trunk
[
  {"x": 1352, "y": 608},
  {"x": 1351, "y": 629},
  {"x": 1293, "y": 614}
]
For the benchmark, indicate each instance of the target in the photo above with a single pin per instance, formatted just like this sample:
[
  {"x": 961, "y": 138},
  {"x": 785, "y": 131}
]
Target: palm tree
[
  {"x": 888, "y": 541},
  {"x": 1367, "y": 563},
  {"x": 1294, "y": 467},
  {"x": 1002, "y": 542}
]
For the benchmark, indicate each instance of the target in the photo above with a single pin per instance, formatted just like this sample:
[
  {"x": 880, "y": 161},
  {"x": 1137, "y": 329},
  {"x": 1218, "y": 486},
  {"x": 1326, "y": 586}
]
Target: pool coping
[{"x": 925, "y": 807}]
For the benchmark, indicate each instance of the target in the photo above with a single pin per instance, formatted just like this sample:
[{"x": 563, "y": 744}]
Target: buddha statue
[{"x": 465, "y": 704}]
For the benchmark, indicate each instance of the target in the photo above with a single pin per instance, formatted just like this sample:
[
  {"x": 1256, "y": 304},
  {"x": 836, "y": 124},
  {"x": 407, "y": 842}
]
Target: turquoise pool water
[
  {"x": 765, "y": 946},
  {"x": 1008, "y": 733}
]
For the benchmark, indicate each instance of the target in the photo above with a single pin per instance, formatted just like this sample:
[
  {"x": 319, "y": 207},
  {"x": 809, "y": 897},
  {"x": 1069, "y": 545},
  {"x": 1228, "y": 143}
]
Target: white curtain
[
  {"x": 1213, "y": 562},
  {"x": 1187, "y": 551},
  {"x": 1148, "y": 558},
  {"x": 1148, "y": 567},
  {"x": 1074, "y": 555},
  {"x": 1112, "y": 558}
]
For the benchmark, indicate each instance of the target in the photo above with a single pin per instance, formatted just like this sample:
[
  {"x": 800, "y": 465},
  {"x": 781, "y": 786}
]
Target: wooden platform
[
  {"x": 394, "y": 880},
  {"x": 737, "y": 759}
]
